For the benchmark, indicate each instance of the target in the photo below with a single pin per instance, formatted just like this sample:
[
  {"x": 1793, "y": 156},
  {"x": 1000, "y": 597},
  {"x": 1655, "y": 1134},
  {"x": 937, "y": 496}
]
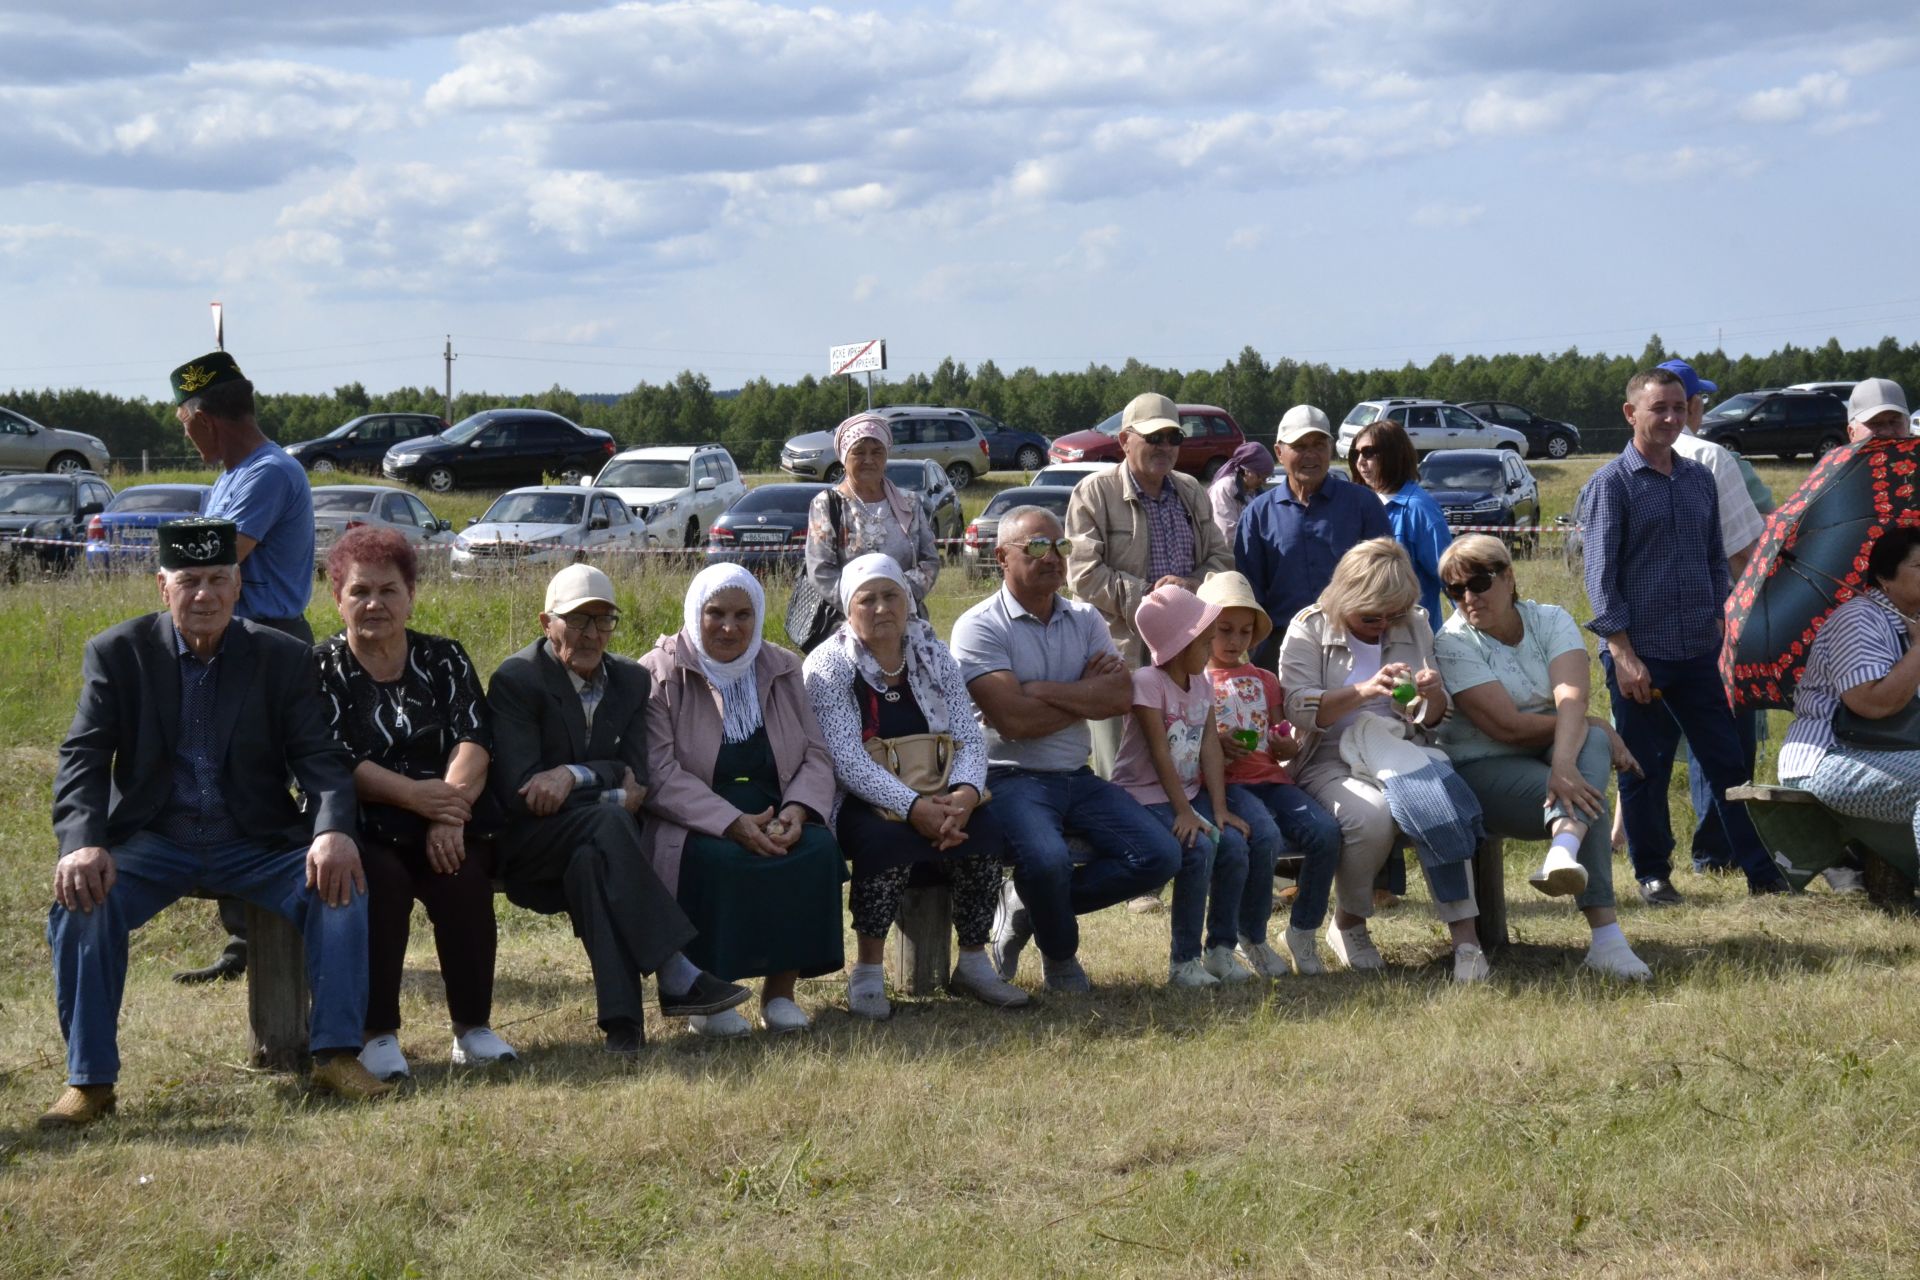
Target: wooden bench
[
  {"x": 1805, "y": 837},
  {"x": 922, "y": 953}
]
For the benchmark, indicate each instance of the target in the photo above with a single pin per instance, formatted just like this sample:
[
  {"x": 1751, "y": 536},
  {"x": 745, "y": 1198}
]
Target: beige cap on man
[
  {"x": 1149, "y": 412},
  {"x": 1301, "y": 421},
  {"x": 575, "y": 585}
]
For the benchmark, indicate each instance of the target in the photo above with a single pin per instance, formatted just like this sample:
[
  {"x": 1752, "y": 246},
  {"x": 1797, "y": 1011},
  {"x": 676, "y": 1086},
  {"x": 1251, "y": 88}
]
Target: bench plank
[
  {"x": 923, "y": 940},
  {"x": 277, "y": 999}
]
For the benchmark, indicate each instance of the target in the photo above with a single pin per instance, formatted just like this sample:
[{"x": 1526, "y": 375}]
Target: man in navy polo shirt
[{"x": 1656, "y": 575}]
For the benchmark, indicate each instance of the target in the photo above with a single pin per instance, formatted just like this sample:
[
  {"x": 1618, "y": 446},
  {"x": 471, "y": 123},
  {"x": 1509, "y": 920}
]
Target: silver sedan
[{"x": 340, "y": 507}]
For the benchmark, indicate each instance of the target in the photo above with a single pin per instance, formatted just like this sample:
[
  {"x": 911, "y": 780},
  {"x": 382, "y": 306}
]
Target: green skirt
[{"x": 758, "y": 915}]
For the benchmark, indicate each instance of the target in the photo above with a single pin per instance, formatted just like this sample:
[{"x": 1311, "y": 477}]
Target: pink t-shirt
[
  {"x": 1184, "y": 713},
  {"x": 1248, "y": 699}
]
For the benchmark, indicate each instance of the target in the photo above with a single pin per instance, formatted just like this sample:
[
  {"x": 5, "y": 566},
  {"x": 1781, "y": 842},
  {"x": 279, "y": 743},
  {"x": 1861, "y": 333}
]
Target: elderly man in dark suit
[
  {"x": 173, "y": 779},
  {"x": 570, "y": 766}
]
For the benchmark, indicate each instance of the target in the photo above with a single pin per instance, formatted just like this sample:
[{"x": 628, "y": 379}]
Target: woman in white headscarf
[
  {"x": 874, "y": 515},
  {"x": 885, "y": 674},
  {"x": 742, "y": 788}
]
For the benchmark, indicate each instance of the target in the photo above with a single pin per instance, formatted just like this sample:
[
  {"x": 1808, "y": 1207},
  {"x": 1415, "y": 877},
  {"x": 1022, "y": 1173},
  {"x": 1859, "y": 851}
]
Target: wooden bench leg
[
  {"x": 1490, "y": 892},
  {"x": 923, "y": 940},
  {"x": 277, "y": 997}
]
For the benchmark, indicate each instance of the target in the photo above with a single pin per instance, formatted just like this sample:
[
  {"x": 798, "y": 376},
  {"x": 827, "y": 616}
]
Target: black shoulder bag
[{"x": 811, "y": 616}]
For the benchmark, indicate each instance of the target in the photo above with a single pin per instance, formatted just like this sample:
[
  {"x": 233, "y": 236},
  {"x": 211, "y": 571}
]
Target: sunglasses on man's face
[
  {"x": 1039, "y": 547},
  {"x": 1480, "y": 583},
  {"x": 1163, "y": 439}
]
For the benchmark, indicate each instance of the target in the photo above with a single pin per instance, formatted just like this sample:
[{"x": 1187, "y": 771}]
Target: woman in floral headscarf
[
  {"x": 874, "y": 515},
  {"x": 742, "y": 788}
]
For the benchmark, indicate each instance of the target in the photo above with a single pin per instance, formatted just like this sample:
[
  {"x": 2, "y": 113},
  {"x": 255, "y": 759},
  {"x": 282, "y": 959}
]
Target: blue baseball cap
[{"x": 1694, "y": 383}]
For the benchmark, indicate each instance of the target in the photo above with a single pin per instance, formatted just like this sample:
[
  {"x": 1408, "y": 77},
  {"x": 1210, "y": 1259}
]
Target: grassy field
[{"x": 1750, "y": 1113}]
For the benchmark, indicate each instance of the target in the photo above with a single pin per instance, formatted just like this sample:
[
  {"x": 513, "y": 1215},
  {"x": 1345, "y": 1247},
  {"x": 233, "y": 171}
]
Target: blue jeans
[
  {"x": 1710, "y": 850},
  {"x": 90, "y": 947},
  {"x": 1132, "y": 853},
  {"x": 1292, "y": 821},
  {"x": 1692, "y": 702},
  {"x": 1220, "y": 864}
]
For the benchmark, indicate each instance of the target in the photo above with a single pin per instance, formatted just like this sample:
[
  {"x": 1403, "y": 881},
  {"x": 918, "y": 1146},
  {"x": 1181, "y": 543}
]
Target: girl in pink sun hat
[{"x": 1170, "y": 761}]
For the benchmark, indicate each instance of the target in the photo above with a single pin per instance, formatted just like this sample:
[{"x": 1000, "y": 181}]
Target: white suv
[
  {"x": 1430, "y": 424},
  {"x": 676, "y": 490}
]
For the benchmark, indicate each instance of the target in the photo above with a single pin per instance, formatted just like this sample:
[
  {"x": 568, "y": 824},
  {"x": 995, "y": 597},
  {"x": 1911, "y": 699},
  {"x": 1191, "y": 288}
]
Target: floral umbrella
[{"x": 1812, "y": 558}]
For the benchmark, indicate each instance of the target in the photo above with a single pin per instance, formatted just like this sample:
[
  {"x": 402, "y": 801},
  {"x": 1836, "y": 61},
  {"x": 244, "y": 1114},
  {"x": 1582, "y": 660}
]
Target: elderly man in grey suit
[
  {"x": 172, "y": 780},
  {"x": 570, "y": 767}
]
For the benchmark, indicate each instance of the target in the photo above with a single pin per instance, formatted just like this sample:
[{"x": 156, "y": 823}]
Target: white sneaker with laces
[
  {"x": 382, "y": 1057},
  {"x": 1351, "y": 947},
  {"x": 1560, "y": 876},
  {"x": 1223, "y": 964},
  {"x": 1190, "y": 973},
  {"x": 1470, "y": 964},
  {"x": 1264, "y": 960},
  {"x": 1012, "y": 931},
  {"x": 479, "y": 1047},
  {"x": 867, "y": 996},
  {"x": 1306, "y": 956},
  {"x": 1617, "y": 961},
  {"x": 728, "y": 1024},
  {"x": 782, "y": 1016}
]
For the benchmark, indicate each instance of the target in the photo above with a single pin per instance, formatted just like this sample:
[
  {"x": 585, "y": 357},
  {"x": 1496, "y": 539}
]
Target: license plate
[
  {"x": 130, "y": 536},
  {"x": 763, "y": 535}
]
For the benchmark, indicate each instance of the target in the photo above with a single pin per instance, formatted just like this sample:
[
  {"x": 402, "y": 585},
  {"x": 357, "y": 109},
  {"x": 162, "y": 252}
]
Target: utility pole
[{"x": 450, "y": 358}]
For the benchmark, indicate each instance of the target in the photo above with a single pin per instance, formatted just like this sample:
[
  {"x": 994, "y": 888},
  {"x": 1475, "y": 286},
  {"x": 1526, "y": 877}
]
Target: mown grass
[{"x": 1752, "y": 1113}]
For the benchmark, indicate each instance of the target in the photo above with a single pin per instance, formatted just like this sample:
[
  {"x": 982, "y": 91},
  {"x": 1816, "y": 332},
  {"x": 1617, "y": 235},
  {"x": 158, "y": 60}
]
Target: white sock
[
  {"x": 678, "y": 975},
  {"x": 866, "y": 977},
  {"x": 976, "y": 965},
  {"x": 1608, "y": 935},
  {"x": 1568, "y": 841}
]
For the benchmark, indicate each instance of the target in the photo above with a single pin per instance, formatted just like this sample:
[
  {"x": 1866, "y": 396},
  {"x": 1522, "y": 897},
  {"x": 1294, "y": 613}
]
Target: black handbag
[
  {"x": 1897, "y": 732},
  {"x": 811, "y": 616}
]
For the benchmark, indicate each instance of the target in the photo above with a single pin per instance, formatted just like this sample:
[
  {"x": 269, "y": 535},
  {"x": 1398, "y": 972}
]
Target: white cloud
[
  {"x": 1245, "y": 239},
  {"x": 1500, "y": 111},
  {"x": 1819, "y": 91},
  {"x": 54, "y": 255}
]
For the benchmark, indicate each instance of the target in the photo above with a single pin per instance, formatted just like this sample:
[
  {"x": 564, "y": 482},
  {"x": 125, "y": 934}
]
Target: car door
[
  {"x": 708, "y": 502},
  {"x": 1762, "y": 431},
  {"x": 367, "y": 444},
  {"x": 17, "y": 451},
  {"x": 939, "y": 495},
  {"x": 395, "y": 512},
  {"x": 1802, "y": 433},
  {"x": 1462, "y": 430},
  {"x": 429, "y": 523},
  {"x": 1423, "y": 427}
]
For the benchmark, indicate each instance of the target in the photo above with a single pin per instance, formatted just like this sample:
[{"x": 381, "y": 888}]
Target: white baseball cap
[
  {"x": 1874, "y": 395},
  {"x": 1302, "y": 421},
  {"x": 575, "y": 585}
]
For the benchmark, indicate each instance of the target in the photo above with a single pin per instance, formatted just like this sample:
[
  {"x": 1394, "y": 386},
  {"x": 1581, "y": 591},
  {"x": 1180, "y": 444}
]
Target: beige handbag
[{"x": 924, "y": 761}]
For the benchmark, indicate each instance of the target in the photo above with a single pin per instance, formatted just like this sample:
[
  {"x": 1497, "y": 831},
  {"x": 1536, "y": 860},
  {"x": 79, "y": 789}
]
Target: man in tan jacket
[{"x": 1135, "y": 528}]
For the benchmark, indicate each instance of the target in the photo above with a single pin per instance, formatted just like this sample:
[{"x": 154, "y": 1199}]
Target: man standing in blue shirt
[
  {"x": 1656, "y": 575},
  {"x": 266, "y": 494},
  {"x": 1293, "y": 534}
]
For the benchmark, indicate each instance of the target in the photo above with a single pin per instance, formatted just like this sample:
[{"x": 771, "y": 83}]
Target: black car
[
  {"x": 1784, "y": 423},
  {"x": 983, "y": 535},
  {"x": 765, "y": 530},
  {"x": 1011, "y": 448},
  {"x": 499, "y": 449},
  {"x": 1478, "y": 487},
  {"x": 1546, "y": 437},
  {"x": 362, "y": 443},
  {"x": 43, "y": 518}
]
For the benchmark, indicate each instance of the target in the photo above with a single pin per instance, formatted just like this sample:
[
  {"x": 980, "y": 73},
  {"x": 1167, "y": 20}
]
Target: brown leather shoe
[
  {"x": 78, "y": 1106},
  {"x": 1385, "y": 899},
  {"x": 344, "y": 1078}
]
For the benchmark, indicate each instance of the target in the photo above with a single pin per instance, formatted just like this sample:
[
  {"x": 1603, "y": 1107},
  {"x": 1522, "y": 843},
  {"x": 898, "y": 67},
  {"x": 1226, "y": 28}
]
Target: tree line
[{"x": 754, "y": 420}]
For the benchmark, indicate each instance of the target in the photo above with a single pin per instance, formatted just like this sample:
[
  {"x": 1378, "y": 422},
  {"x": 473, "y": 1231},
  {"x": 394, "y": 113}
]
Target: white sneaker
[
  {"x": 867, "y": 997},
  {"x": 1012, "y": 931},
  {"x": 1560, "y": 876},
  {"x": 1306, "y": 956},
  {"x": 1618, "y": 961},
  {"x": 1263, "y": 960},
  {"x": 781, "y": 1016},
  {"x": 1190, "y": 973},
  {"x": 382, "y": 1057},
  {"x": 1845, "y": 880},
  {"x": 1470, "y": 964},
  {"x": 728, "y": 1024},
  {"x": 1353, "y": 947},
  {"x": 1224, "y": 965},
  {"x": 479, "y": 1047},
  {"x": 974, "y": 976}
]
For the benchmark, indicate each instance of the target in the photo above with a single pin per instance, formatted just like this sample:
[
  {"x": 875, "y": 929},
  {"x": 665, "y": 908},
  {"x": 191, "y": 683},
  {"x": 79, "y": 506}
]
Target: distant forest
[{"x": 754, "y": 420}]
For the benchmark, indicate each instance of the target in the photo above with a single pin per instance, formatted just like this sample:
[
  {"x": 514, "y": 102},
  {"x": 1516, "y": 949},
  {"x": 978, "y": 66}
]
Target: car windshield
[
  {"x": 1442, "y": 472},
  {"x": 786, "y": 499},
  {"x": 342, "y": 502},
  {"x": 645, "y": 473},
  {"x": 534, "y": 508},
  {"x": 1734, "y": 407},
  {"x": 908, "y": 475},
  {"x": 36, "y": 497},
  {"x": 156, "y": 498},
  {"x": 465, "y": 429},
  {"x": 1008, "y": 499},
  {"x": 1109, "y": 426},
  {"x": 341, "y": 430},
  {"x": 1361, "y": 415}
]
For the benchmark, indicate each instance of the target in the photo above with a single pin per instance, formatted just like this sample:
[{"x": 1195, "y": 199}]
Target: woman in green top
[{"x": 1518, "y": 673}]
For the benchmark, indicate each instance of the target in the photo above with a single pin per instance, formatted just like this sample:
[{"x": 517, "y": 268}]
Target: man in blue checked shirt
[{"x": 1657, "y": 579}]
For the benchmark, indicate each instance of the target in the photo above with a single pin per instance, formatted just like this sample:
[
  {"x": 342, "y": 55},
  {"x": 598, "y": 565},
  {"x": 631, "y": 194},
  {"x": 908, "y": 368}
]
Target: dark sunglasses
[
  {"x": 1480, "y": 583},
  {"x": 1370, "y": 451},
  {"x": 1038, "y": 547},
  {"x": 1165, "y": 439}
]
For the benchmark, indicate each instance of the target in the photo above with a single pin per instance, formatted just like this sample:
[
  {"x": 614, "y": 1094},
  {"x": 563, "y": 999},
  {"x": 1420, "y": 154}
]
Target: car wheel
[
  {"x": 1030, "y": 458},
  {"x": 67, "y": 464},
  {"x": 1512, "y": 448},
  {"x": 1559, "y": 445},
  {"x": 1212, "y": 469},
  {"x": 1827, "y": 445},
  {"x": 959, "y": 474},
  {"x": 440, "y": 479},
  {"x": 835, "y": 474},
  {"x": 323, "y": 464},
  {"x": 1730, "y": 443}
]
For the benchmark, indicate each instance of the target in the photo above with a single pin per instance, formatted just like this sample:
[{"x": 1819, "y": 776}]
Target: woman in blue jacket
[{"x": 1383, "y": 460}]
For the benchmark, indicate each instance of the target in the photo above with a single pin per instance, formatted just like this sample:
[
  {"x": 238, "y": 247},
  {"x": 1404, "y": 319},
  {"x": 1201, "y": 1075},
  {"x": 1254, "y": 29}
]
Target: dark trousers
[
  {"x": 460, "y": 905},
  {"x": 1692, "y": 702},
  {"x": 586, "y": 861},
  {"x": 1710, "y": 850}
]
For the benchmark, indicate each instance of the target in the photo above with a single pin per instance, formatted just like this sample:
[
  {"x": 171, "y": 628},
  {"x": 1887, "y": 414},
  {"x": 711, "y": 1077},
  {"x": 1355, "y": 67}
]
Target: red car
[{"x": 1212, "y": 436}]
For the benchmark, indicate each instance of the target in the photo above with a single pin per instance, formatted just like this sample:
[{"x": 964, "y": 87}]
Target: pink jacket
[{"x": 683, "y": 740}]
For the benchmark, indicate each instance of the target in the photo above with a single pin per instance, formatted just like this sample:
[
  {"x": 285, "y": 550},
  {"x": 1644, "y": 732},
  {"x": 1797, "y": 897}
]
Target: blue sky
[{"x": 594, "y": 195}]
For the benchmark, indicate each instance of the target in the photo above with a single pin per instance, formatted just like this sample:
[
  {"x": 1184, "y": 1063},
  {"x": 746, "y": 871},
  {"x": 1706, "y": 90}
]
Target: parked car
[
  {"x": 122, "y": 536},
  {"x": 545, "y": 525},
  {"x": 976, "y": 552},
  {"x": 361, "y": 443},
  {"x": 1784, "y": 423},
  {"x": 340, "y": 507},
  {"x": 1485, "y": 487},
  {"x": 1430, "y": 425},
  {"x": 43, "y": 518},
  {"x": 500, "y": 447},
  {"x": 1069, "y": 473},
  {"x": 1211, "y": 437},
  {"x": 766, "y": 530},
  {"x": 937, "y": 497},
  {"x": 677, "y": 491},
  {"x": 947, "y": 436},
  {"x": 27, "y": 446},
  {"x": 1546, "y": 437}
]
